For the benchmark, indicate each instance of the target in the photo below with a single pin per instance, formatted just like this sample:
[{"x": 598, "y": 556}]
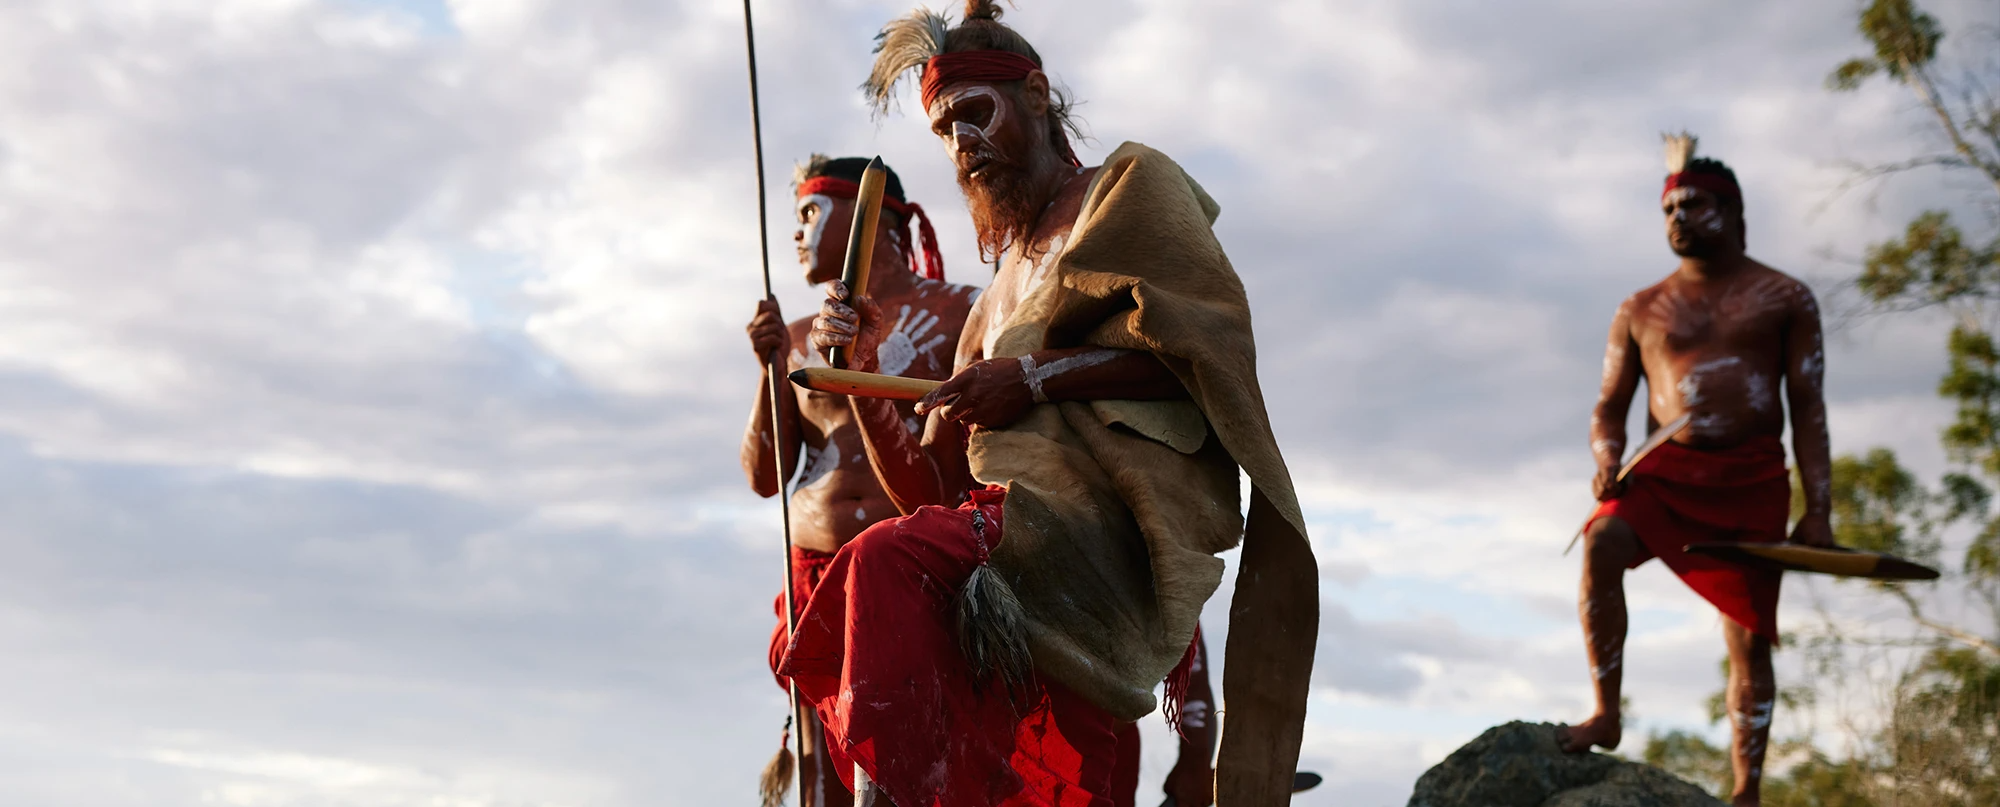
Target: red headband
[
  {"x": 1713, "y": 183},
  {"x": 989, "y": 66},
  {"x": 933, "y": 260},
  {"x": 972, "y": 65}
]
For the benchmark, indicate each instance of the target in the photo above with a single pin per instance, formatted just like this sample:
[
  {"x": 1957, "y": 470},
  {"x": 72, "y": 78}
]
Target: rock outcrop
[{"x": 1520, "y": 765}]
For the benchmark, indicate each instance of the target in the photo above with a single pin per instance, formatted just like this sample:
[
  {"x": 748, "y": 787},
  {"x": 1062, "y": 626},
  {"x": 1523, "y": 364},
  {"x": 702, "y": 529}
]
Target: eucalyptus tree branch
[
  {"x": 1948, "y": 631},
  {"x": 1920, "y": 80}
]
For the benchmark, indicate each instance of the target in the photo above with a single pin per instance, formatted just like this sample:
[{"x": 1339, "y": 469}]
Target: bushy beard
[{"x": 1004, "y": 208}]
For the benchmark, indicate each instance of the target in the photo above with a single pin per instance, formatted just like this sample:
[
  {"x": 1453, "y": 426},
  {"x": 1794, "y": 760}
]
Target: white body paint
[
  {"x": 1759, "y": 386},
  {"x": 1608, "y": 667},
  {"x": 905, "y": 341},
  {"x": 1039, "y": 374},
  {"x": 819, "y": 463},
  {"x": 1030, "y": 278},
  {"x": 1194, "y": 714},
  {"x": 1691, "y": 393}
]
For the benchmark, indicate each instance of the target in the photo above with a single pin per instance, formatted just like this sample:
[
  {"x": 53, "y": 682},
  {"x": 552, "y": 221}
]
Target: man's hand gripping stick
[
  {"x": 861, "y": 243},
  {"x": 1657, "y": 439}
]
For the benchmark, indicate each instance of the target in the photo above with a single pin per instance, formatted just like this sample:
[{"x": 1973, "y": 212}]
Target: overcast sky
[{"x": 372, "y": 371}]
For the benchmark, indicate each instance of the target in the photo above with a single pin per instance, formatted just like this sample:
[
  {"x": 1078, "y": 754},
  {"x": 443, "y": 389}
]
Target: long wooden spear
[{"x": 784, "y": 768}]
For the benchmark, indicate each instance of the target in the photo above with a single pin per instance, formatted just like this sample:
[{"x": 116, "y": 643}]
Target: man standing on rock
[
  {"x": 837, "y": 495},
  {"x": 1076, "y": 476},
  {"x": 1714, "y": 340}
]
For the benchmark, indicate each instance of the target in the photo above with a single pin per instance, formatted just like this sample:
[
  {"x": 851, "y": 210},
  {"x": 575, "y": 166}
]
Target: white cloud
[{"x": 370, "y": 371}]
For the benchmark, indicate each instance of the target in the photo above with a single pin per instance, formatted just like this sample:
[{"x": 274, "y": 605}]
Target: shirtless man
[
  {"x": 838, "y": 497},
  {"x": 1713, "y": 340},
  {"x": 920, "y": 723}
]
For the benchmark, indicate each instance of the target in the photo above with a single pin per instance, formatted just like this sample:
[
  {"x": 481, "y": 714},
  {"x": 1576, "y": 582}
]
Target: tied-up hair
[{"x": 907, "y": 44}]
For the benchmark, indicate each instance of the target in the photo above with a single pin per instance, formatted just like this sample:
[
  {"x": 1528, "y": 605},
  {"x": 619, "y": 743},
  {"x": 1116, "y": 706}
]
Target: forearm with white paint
[
  {"x": 1805, "y": 380},
  {"x": 1095, "y": 373}
]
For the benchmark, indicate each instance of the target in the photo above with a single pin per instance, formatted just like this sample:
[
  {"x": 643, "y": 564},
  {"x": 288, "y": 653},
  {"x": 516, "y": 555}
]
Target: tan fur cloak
[{"x": 1116, "y": 509}]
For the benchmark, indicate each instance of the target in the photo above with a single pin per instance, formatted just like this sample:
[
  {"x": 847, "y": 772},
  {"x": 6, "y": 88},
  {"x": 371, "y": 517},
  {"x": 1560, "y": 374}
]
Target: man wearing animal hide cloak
[{"x": 1074, "y": 481}]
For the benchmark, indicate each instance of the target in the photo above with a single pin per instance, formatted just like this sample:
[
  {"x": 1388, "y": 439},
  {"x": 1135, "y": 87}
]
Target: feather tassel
[
  {"x": 777, "y": 776},
  {"x": 992, "y": 625}
]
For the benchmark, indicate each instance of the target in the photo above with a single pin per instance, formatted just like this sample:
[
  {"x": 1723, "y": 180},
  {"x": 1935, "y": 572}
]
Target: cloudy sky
[{"x": 371, "y": 371}]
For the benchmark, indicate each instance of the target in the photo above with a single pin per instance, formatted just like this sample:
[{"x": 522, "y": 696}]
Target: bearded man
[
  {"x": 837, "y": 497},
  {"x": 1713, "y": 341},
  {"x": 1075, "y": 479}
]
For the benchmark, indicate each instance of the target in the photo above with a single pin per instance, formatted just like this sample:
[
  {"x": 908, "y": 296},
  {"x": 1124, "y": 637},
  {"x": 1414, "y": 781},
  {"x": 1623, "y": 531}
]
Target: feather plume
[
  {"x": 812, "y": 167},
  {"x": 903, "y": 44},
  {"x": 1680, "y": 151}
]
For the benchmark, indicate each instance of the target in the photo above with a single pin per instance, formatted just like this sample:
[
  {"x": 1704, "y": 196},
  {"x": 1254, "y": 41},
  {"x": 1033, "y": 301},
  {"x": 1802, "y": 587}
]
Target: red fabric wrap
[
  {"x": 1125, "y": 774},
  {"x": 1679, "y": 495},
  {"x": 932, "y": 265},
  {"x": 808, "y": 566},
  {"x": 1713, "y": 183},
  {"x": 877, "y": 656},
  {"x": 946, "y": 69}
]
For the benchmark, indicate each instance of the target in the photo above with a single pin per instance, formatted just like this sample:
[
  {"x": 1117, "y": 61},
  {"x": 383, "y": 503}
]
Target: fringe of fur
[
  {"x": 903, "y": 45},
  {"x": 1680, "y": 151},
  {"x": 777, "y": 777},
  {"x": 992, "y": 630}
]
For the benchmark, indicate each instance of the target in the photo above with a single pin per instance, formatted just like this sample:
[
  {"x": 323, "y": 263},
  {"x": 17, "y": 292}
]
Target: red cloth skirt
[
  {"x": 808, "y": 566},
  {"x": 1679, "y": 495},
  {"x": 877, "y": 656}
]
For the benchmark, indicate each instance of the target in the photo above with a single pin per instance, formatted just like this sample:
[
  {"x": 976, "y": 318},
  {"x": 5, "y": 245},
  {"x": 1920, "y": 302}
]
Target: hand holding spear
[{"x": 782, "y": 770}]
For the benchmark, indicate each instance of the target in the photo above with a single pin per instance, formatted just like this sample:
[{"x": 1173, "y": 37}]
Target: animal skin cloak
[{"x": 1115, "y": 510}]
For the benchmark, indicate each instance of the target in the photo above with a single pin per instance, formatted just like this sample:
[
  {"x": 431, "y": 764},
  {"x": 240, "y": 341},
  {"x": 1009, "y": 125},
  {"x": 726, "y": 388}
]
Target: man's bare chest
[
  {"x": 1676, "y": 322},
  {"x": 1026, "y": 274}
]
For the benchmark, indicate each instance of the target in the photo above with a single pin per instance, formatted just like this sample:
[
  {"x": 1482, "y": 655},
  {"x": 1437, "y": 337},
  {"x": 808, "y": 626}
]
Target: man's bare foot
[{"x": 1600, "y": 730}]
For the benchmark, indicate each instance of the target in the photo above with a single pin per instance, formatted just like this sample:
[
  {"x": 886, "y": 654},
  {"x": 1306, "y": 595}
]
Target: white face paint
[
  {"x": 1709, "y": 220},
  {"x": 966, "y": 138},
  {"x": 815, "y": 227}
]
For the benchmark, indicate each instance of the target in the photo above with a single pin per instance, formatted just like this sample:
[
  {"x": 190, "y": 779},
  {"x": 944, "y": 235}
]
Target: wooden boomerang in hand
[{"x": 1658, "y": 438}]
